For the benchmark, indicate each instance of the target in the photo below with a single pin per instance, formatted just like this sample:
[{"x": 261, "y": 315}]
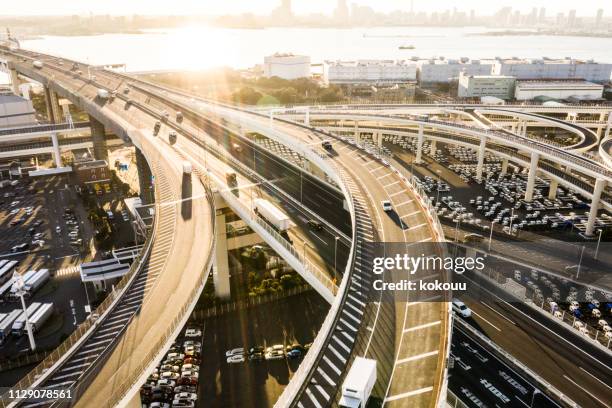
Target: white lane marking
[
  {"x": 411, "y": 214},
  {"x": 426, "y": 239},
  {"x": 404, "y": 203},
  {"x": 392, "y": 184},
  {"x": 486, "y": 305},
  {"x": 408, "y": 394},
  {"x": 417, "y": 357},
  {"x": 382, "y": 177},
  {"x": 422, "y": 326},
  {"x": 494, "y": 326},
  {"x": 582, "y": 388},
  {"x": 318, "y": 237},
  {"x": 595, "y": 377},
  {"x": 417, "y": 226},
  {"x": 398, "y": 193}
]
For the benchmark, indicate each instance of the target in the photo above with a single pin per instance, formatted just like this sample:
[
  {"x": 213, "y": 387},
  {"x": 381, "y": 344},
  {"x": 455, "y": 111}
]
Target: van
[
  {"x": 327, "y": 145},
  {"x": 460, "y": 308}
]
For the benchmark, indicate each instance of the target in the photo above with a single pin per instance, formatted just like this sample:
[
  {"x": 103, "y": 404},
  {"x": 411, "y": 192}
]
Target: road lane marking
[
  {"x": 486, "y": 305},
  {"x": 411, "y": 214},
  {"x": 408, "y": 394},
  {"x": 589, "y": 393},
  {"x": 417, "y": 357},
  {"x": 595, "y": 377},
  {"x": 494, "y": 326},
  {"x": 318, "y": 237},
  {"x": 422, "y": 326},
  {"x": 403, "y": 203},
  {"x": 417, "y": 226}
]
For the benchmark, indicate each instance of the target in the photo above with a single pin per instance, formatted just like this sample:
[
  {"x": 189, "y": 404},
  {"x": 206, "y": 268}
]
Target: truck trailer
[
  {"x": 41, "y": 315},
  {"x": 36, "y": 281},
  {"x": 272, "y": 214},
  {"x": 19, "y": 325},
  {"x": 358, "y": 384},
  {"x": 103, "y": 94},
  {"x": 7, "y": 323}
]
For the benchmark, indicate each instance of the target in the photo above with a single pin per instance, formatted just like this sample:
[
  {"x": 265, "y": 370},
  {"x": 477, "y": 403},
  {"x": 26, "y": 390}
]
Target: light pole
[
  {"x": 535, "y": 391},
  {"x": 335, "y": 255},
  {"x": 19, "y": 284},
  {"x": 438, "y": 187},
  {"x": 491, "y": 235},
  {"x": 598, "y": 242},
  {"x": 511, "y": 219},
  {"x": 579, "y": 263}
]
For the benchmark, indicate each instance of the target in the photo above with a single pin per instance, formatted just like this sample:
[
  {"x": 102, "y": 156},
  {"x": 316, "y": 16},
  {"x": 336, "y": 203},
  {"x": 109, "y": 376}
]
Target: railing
[
  {"x": 453, "y": 401},
  {"x": 44, "y": 128}
]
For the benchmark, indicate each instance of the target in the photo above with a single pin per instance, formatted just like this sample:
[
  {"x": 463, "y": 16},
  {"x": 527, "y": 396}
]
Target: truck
[
  {"x": 37, "y": 64},
  {"x": 103, "y": 94},
  {"x": 7, "y": 323},
  {"x": 36, "y": 281},
  {"x": 19, "y": 325},
  {"x": 41, "y": 315},
  {"x": 187, "y": 168},
  {"x": 26, "y": 277},
  {"x": 358, "y": 384},
  {"x": 272, "y": 214}
]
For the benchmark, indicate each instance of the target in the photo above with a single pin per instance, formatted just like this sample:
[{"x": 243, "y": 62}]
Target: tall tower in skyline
[
  {"x": 542, "y": 15},
  {"x": 571, "y": 18},
  {"x": 599, "y": 17},
  {"x": 341, "y": 14}
]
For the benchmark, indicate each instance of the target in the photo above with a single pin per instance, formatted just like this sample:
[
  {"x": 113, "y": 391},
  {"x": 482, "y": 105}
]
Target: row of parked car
[
  {"x": 174, "y": 382},
  {"x": 260, "y": 353}
]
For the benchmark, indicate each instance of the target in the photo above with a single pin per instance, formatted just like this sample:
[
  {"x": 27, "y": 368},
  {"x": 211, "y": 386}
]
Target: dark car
[{"x": 315, "y": 225}]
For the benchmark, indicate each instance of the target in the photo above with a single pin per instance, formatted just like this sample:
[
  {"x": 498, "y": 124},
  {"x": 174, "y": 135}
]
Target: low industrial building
[
  {"x": 287, "y": 66},
  {"x": 559, "y": 89},
  {"x": 547, "y": 68},
  {"x": 477, "y": 86},
  {"x": 444, "y": 71},
  {"x": 16, "y": 111},
  {"x": 92, "y": 172},
  {"x": 102, "y": 274},
  {"x": 369, "y": 72}
]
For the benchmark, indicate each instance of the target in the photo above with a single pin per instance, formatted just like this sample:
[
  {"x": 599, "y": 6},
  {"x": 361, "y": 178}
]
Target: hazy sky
[{"x": 59, "y": 7}]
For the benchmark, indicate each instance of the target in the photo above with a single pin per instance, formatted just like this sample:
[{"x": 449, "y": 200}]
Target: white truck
[
  {"x": 7, "y": 323},
  {"x": 41, "y": 315},
  {"x": 358, "y": 384},
  {"x": 37, "y": 64},
  {"x": 187, "y": 168},
  {"x": 19, "y": 325},
  {"x": 272, "y": 214},
  {"x": 36, "y": 281},
  {"x": 103, "y": 94}
]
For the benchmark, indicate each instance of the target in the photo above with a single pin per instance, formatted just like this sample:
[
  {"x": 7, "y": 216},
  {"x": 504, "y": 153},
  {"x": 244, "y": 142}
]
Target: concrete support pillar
[
  {"x": 608, "y": 125},
  {"x": 524, "y": 129},
  {"x": 419, "y": 151},
  {"x": 379, "y": 139},
  {"x": 357, "y": 134},
  {"x": 56, "y": 151},
  {"x": 99, "y": 141},
  {"x": 24, "y": 90},
  {"x": 481, "y": 156},
  {"x": 54, "y": 112},
  {"x": 599, "y": 132},
  {"x": 533, "y": 168},
  {"x": 513, "y": 128},
  {"x": 221, "y": 273},
  {"x": 595, "y": 202},
  {"x": 432, "y": 148},
  {"x": 602, "y": 116},
  {"x": 504, "y": 167},
  {"x": 552, "y": 190},
  {"x": 14, "y": 78},
  {"x": 307, "y": 117},
  {"x": 145, "y": 179}
]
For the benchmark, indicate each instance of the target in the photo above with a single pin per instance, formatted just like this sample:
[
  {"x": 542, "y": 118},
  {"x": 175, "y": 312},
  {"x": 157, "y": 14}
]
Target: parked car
[
  {"x": 235, "y": 351},
  {"x": 193, "y": 333},
  {"x": 460, "y": 308},
  {"x": 238, "y": 358}
]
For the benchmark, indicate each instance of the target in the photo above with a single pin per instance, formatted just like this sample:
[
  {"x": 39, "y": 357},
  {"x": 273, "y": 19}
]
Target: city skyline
[{"x": 185, "y": 7}]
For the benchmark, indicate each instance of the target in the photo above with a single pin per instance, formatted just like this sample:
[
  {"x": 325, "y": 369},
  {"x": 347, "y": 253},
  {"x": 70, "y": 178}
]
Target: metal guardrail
[
  {"x": 43, "y": 128},
  {"x": 453, "y": 401}
]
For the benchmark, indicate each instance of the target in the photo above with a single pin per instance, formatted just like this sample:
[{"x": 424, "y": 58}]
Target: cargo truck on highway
[
  {"x": 358, "y": 384},
  {"x": 272, "y": 214},
  {"x": 103, "y": 94},
  {"x": 7, "y": 323},
  {"x": 36, "y": 281},
  {"x": 19, "y": 325},
  {"x": 187, "y": 168}
]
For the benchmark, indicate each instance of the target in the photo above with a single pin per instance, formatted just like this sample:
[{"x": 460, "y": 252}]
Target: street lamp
[
  {"x": 511, "y": 219},
  {"x": 19, "y": 285},
  {"x": 491, "y": 235},
  {"x": 598, "y": 242},
  {"x": 535, "y": 391},
  {"x": 438, "y": 187},
  {"x": 579, "y": 263}
]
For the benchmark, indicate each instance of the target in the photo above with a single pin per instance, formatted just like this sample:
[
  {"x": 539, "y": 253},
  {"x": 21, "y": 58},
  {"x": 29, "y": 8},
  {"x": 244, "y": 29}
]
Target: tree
[
  {"x": 247, "y": 95},
  {"x": 287, "y": 95}
]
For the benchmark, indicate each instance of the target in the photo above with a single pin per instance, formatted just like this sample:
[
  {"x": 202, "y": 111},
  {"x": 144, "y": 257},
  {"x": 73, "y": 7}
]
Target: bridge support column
[
  {"x": 145, "y": 178},
  {"x": 54, "y": 112},
  {"x": 419, "y": 151},
  {"x": 608, "y": 125},
  {"x": 432, "y": 148},
  {"x": 602, "y": 116},
  {"x": 533, "y": 168},
  {"x": 599, "y": 186},
  {"x": 504, "y": 167},
  {"x": 56, "y": 151},
  {"x": 307, "y": 117},
  {"x": 357, "y": 135},
  {"x": 14, "y": 81},
  {"x": 481, "y": 156},
  {"x": 221, "y": 273},
  {"x": 524, "y": 129},
  {"x": 379, "y": 139},
  {"x": 552, "y": 189},
  {"x": 99, "y": 141}
]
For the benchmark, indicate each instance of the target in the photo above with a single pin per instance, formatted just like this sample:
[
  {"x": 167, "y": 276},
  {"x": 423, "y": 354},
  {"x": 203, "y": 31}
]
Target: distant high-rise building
[
  {"x": 599, "y": 17},
  {"x": 533, "y": 17},
  {"x": 542, "y": 15},
  {"x": 571, "y": 18},
  {"x": 283, "y": 12},
  {"x": 560, "y": 19},
  {"x": 472, "y": 16},
  {"x": 341, "y": 14}
]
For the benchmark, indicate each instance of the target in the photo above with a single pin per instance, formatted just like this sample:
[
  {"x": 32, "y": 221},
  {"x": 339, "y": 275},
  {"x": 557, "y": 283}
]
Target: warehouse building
[
  {"x": 445, "y": 71},
  {"x": 16, "y": 111},
  {"x": 547, "y": 68},
  {"x": 369, "y": 72},
  {"x": 568, "y": 89},
  {"x": 287, "y": 66},
  {"x": 476, "y": 86}
]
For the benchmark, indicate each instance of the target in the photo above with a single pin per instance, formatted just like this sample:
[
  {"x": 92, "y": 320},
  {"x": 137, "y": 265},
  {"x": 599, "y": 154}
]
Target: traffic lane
[
  {"x": 490, "y": 379},
  {"x": 549, "y": 355}
]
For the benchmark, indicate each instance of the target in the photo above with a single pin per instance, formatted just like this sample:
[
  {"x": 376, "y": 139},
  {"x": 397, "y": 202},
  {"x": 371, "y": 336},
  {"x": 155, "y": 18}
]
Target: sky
[{"x": 215, "y": 7}]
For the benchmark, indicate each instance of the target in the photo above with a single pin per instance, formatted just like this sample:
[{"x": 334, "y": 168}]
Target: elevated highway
[{"x": 337, "y": 341}]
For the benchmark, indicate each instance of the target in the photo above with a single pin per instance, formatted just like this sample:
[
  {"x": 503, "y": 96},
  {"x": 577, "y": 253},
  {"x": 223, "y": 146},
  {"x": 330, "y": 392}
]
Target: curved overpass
[{"x": 112, "y": 352}]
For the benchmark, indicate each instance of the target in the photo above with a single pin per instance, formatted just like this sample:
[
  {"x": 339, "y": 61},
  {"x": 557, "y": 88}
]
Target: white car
[
  {"x": 234, "y": 352},
  {"x": 238, "y": 358},
  {"x": 386, "y": 205},
  {"x": 584, "y": 331},
  {"x": 461, "y": 308},
  {"x": 186, "y": 395},
  {"x": 193, "y": 333}
]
